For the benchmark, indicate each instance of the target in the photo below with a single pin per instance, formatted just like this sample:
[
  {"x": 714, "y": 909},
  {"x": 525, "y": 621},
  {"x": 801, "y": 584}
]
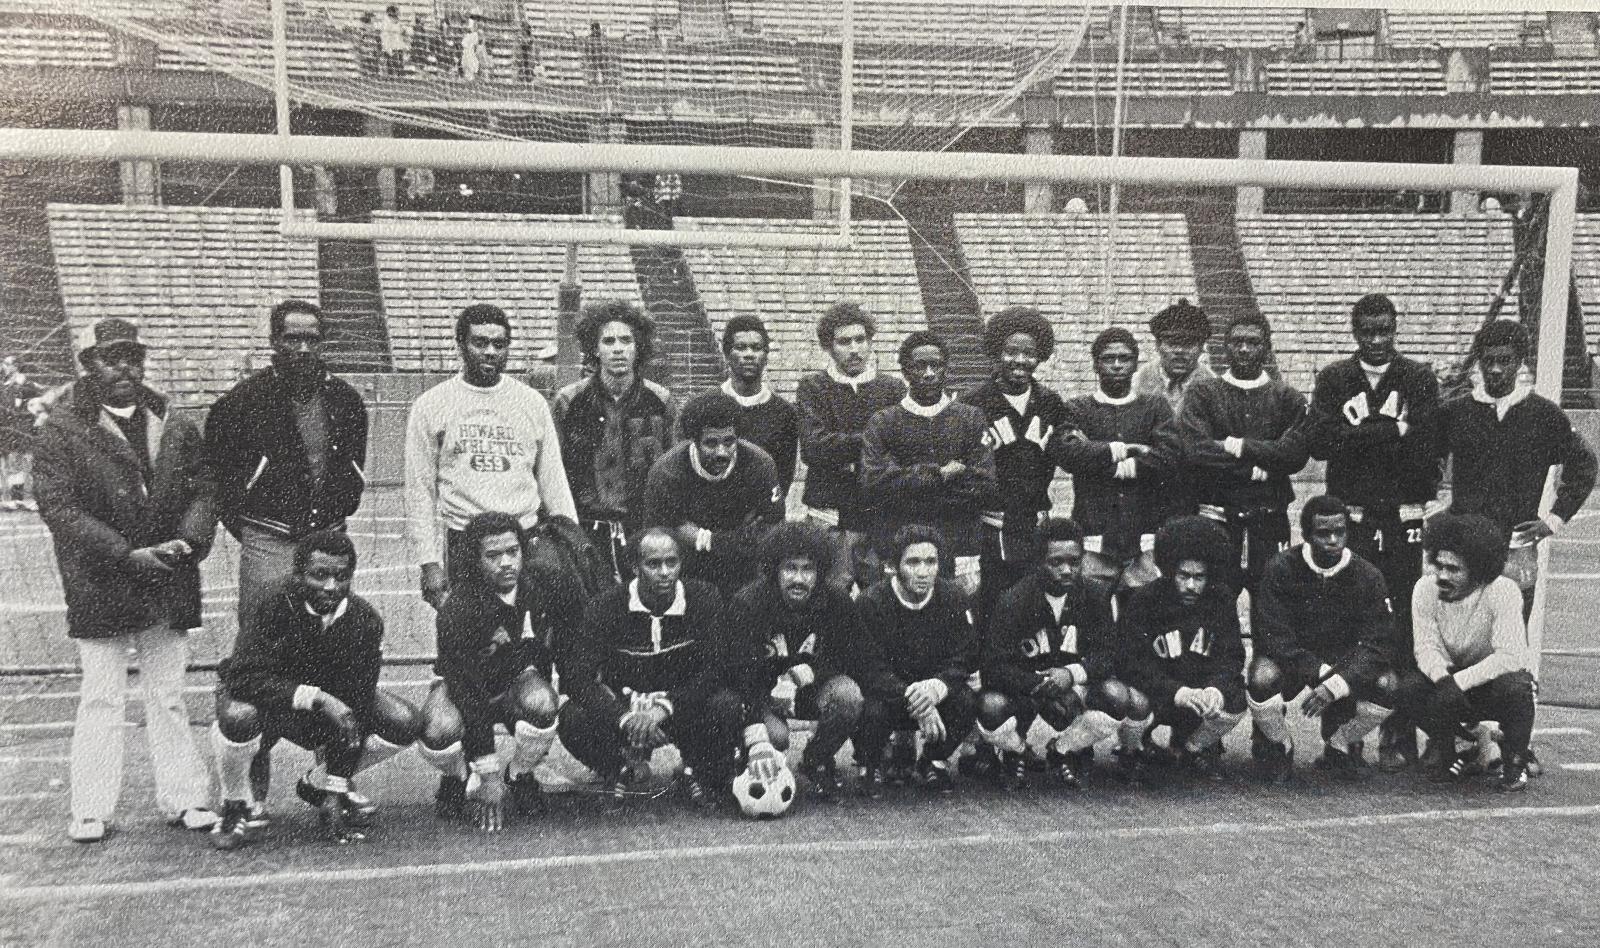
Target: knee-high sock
[
  {"x": 1131, "y": 731},
  {"x": 375, "y": 751},
  {"x": 449, "y": 761},
  {"x": 533, "y": 743},
  {"x": 1004, "y": 737},
  {"x": 1086, "y": 730},
  {"x": 1367, "y": 717},
  {"x": 1212, "y": 730},
  {"x": 233, "y": 764},
  {"x": 1270, "y": 717}
]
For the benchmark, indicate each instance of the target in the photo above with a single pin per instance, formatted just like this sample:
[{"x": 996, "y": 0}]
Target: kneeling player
[
  {"x": 646, "y": 671},
  {"x": 1471, "y": 647},
  {"x": 495, "y": 635},
  {"x": 306, "y": 669},
  {"x": 1183, "y": 641},
  {"x": 1326, "y": 625},
  {"x": 919, "y": 651},
  {"x": 796, "y": 633},
  {"x": 1049, "y": 664}
]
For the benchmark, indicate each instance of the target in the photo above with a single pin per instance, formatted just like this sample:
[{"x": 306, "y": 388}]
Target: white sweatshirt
[
  {"x": 1482, "y": 636},
  {"x": 471, "y": 450}
]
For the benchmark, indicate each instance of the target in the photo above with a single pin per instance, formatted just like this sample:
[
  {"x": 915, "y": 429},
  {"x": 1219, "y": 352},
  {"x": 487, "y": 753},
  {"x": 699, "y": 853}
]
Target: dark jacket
[
  {"x": 1120, "y": 511},
  {"x": 258, "y": 457},
  {"x": 1271, "y": 420},
  {"x": 904, "y": 646},
  {"x": 737, "y": 510},
  {"x": 1306, "y": 620},
  {"x": 608, "y": 445},
  {"x": 1498, "y": 466},
  {"x": 1025, "y": 639},
  {"x": 1023, "y": 465},
  {"x": 283, "y": 646},
  {"x": 94, "y": 498},
  {"x": 833, "y": 416},
  {"x": 767, "y": 637},
  {"x": 901, "y": 454},
  {"x": 773, "y": 426},
  {"x": 1371, "y": 464},
  {"x": 1170, "y": 645},
  {"x": 615, "y": 648}
]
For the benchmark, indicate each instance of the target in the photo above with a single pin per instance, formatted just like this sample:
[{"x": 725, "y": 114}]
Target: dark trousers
[
  {"x": 1008, "y": 554},
  {"x": 390, "y": 718},
  {"x": 610, "y": 537},
  {"x": 705, "y": 730},
  {"x": 881, "y": 716},
  {"x": 1394, "y": 546},
  {"x": 1508, "y": 700}
]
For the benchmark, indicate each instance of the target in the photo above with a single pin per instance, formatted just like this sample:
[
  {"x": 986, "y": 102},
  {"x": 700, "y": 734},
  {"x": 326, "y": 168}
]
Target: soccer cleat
[
  {"x": 1342, "y": 765},
  {"x": 1277, "y": 763},
  {"x": 1450, "y": 767},
  {"x": 195, "y": 818},
  {"x": 823, "y": 780},
  {"x": 1198, "y": 763},
  {"x": 87, "y": 830},
  {"x": 1514, "y": 773},
  {"x": 902, "y": 761},
  {"x": 1534, "y": 768},
  {"x": 1131, "y": 768},
  {"x": 935, "y": 775},
  {"x": 335, "y": 815},
  {"x": 360, "y": 806},
  {"x": 450, "y": 800},
  {"x": 1064, "y": 768},
  {"x": 256, "y": 815},
  {"x": 697, "y": 791},
  {"x": 526, "y": 793},
  {"x": 871, "y": 783},
  {"x": 1012, "y": 773},
  {"x": 1261, "y": 747},
  {"x": 232, "y": 831},
  {"x": 983, "y": 762},
  {"x": 1397, "y": 748}
]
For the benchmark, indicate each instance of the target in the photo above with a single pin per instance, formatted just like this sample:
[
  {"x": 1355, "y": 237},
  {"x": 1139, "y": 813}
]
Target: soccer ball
[{"x": 764, "y": 799}]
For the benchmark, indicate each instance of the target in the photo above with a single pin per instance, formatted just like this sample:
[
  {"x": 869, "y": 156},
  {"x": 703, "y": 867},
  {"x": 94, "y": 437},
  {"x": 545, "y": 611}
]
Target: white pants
[{"x": 182, "y": 781}]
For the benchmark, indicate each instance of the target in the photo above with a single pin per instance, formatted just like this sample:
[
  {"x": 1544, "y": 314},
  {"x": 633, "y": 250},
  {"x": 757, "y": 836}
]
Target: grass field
[{"x": 1392, "y": 861}]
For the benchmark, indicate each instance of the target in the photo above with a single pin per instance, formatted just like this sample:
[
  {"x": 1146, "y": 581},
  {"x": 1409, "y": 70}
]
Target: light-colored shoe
[
  {"x": 9, "y": 504},
  {"x": 197, "y": 819},
  {"x": 87, "y": 830},
  {"x": 29, "y": 504}
]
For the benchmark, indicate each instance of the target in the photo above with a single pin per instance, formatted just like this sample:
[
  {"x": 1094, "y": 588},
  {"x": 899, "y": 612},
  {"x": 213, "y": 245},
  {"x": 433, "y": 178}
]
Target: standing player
[
  {"x": 614, "y": 425},
  {"x": 1180, "y": 332},
  {"x": 1050, "y": 661},
  {"x": 1023, "y": 417},
  {"x": 1244, "y": 436},
  {"x": 1325, "y": 625},
  {"x": 475, "y": 443},
  {"x": 1471, "y": 646},
  {"x": 1184, "y": 649},
  {"x": 835, "y": 406},
  {"x": 1121, "y": 447},
  {"x": 766, "y": 419},
  {"x": 1372, "y": 420},
  {"x": 287, "y": 446},
  {"x": 121, "y": 486},
  {"x": 926, "y": 461},
  {"x": 498, "y": 633},
  {"x": 646, "y": 670},
  {"x": 797, "y": 635},
  {"x": 306, "y": 669},
  {"x": 717, "y": 492},
  {"x": 16, "y": 436},
  {"x": 920, "y": 650}
]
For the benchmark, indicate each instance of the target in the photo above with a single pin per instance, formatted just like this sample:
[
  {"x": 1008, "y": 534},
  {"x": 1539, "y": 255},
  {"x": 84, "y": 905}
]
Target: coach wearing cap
[{"x": 121, "y": 485}]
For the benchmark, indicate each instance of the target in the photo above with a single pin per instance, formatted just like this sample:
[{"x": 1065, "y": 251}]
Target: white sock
[
  {"x": 1130, "y": 731},
  {"x": 1212, "y": 730},
  {"x": 375, "y": 751},
  {"x": 533, "y": 743},
  {"x": 1368, "y": 716},
  {"x": 233, "y": 764},
  {"x": 449, "y": 761},
  {"x": 1004, "y": 737},
  {"x": 1085, "y": 731},
  {"x": 1271, "y": 717}
]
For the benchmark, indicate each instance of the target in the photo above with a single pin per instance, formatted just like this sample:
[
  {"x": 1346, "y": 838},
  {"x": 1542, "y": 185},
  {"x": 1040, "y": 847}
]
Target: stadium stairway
[
  {"x": 688, "y": 358},
  {"x": 35, "y": 328},
  {"x": 948, "y": 298},
  {"x": 1220, "y": 275},
  {"x": 352, "y": 306}
]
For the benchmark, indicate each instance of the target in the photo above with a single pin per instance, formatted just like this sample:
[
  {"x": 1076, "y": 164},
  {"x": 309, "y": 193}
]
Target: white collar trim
[
  {"x": 678, "y": 607},
  {"x": 123, "y": 413},
  {"x": 1518, "y": 393},
  {"x": 1104, "y": 399},
  {"x": 1325, "y": 572},
  {"x": 747, "y": 401},
  {"x": 900, "y": 594},
  {"x": 694, "y": 462},
  {"x": 1256, "y": 382},
  {"x": 854, "y": 381},
  {"x": 338, "y": 612},
  {"x": 926, "y": 411},
  {"x": 1378, "y": 370}
]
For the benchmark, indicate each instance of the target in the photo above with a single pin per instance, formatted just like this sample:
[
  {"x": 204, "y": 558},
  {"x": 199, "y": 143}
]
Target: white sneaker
[
  {"x": 86, "y": 830},
  {"x": 29, "y": 504},
  {"x": 197, "y": 819},
  {"x": 9, "y": 504}
]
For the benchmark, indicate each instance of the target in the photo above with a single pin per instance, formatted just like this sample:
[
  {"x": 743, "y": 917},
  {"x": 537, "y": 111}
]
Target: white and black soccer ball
[{"x": 764, "y": 799}]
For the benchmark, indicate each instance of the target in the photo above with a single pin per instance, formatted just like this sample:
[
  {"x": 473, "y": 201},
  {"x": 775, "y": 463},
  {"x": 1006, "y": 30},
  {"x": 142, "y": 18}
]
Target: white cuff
[
  {"x": 1337, "y": 685},
  {"x": 802, "y": 675},
  {"x": 486, "y": 765},
  {"x": 942, "y": 688},
  {"x": 1181, "y": 696},
  {"x": 1079, "y": 674},
  {"x": 1119, "y": 452},
  {"x": 1234, "y": 446},
  {"x": 1553, "y": 522},
  {"x": 756, "y": 734},
  {"x": 1459, "y": 683},
  {"x": 305, "y": 697},
  {"x": 665, "y": 705},
  {"x": 702, "y": 540},
  {"x": 1404, "y": 427}
]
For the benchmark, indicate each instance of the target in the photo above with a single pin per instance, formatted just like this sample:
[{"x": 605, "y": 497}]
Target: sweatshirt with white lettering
[{"x": 471, "y": 450}]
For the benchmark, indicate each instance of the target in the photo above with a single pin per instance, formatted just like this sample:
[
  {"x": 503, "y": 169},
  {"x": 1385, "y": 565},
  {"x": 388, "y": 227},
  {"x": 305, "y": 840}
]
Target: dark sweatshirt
[
  {"x": 900, "y": 458},
  {"x": 737, "y": 509},
  {"x": 833, "y": 415},
  {"x": 906, "y": 645},
  {"x": 1172, "y": 646},
  {"x": 282, "y": 647},
  {"x": 1119, "y": 511},
  {"x": 1026, "y": 639},
  {"x": 768, "y": 637},
  {"x": 767, "y": 421},
  {"x": 623, "y": 645},
  {"x": 1371, "y": 463},
  {"x": 1023, "y": 465},
  {"x": 1307, "y": 620},
  {"x": 1269, "y": 417},
  {"x": 1499, "y": 465}
]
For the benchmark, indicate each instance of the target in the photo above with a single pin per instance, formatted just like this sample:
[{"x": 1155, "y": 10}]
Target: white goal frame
[{"x": 1561, "y": 184}]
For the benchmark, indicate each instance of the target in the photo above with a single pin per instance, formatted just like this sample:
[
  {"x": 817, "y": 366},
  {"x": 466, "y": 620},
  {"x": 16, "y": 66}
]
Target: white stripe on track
[
  {"x": 1582, "y": 767},
  {"x": 135, "y": 694},
  {"x": 1555, "y": 731},
  {"x": 185, "y": 885},
  {"x": 35, "y": 760},
  {"x": 39, "y": 795}
]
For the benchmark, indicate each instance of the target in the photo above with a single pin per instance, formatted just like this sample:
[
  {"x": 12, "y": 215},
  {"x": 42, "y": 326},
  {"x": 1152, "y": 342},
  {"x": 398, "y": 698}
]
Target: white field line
[
  {"x": 187, "y": 885},
  {"x": 40, "y": 795},
  {"x": 134, "y": 693},
  {"x": 1558, "y": 731},
  {"x": 35, "y": 760},
  {"x": 1582, "y": 767}
]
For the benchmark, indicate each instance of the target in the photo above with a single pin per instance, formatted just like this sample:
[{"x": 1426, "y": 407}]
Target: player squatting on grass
[{"x": 1117, "y": 626}]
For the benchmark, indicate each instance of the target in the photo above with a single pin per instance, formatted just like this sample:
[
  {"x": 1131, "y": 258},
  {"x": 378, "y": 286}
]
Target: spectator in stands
[
  {"x": 474, "y": 50},
  {"x": 1023, "y": 417},
  {"x": 766, "y": 419},
  {"x": 393, "y": 42},
  {"x": 475, "y": 443},
  {"x": 834, "y": 406},
  {"x": 926, "y": 461},
  {"x": 668, "y": 192},
  {"x": 16, "y": 436},
  {"x": 597, "y": 56},
  {"x": 123, "y": 488},
  {"x": 614, "y": 425},
  {"x": 369, "y": 46},
  {"x": 527, "y": 56},
  {"x": 717, "y": 492}
]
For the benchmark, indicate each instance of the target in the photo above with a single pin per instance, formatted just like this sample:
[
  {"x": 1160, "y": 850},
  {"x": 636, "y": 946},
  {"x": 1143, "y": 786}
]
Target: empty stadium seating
[
  {"x": 1550, "y": 77},
  {"x": 1146, "y": 79},
  {"x": 1356, "y": 77},
  {"x": 1232, "y": 27},
  {"x": 936, "y": 22},
  {"x": 55, "y": 46},
  {"x": 313, "y": 56},
  {"x": 1586, "y": 262},
  {"x": 789, "y": 289},
  {"x": 1454, "y": 29},
  {"x": 617, "y": 18},
  {"x": 198, "y": 281},
  {"x": 1066, "y": 266},
  {"x": 1307, "y": 270},
  {"x": 425, "y": 284}
]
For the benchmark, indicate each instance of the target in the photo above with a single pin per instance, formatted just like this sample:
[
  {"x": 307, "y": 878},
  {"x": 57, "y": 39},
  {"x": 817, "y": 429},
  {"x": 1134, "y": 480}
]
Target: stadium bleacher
[
  {"x": 1232, "y": 27},
  {"x": 1456, "y": 29},
  {"x": 936, "y": 22},
  {"x": 1307, "y": 270},
  {"x": 1056, "y": 263},
  {"x": 789, "y": 289},
  {"x": 314, "y": 55},
  {"x": 425, "y": 284},
  {"x": 1586, "y": 261},
  {"x": 617, "y": 18},
  {"x": 1357, "y": 77},
  {"x": 70, "y": 47},
  {"x": 1548, "y": 77},
  {"x": 1146, "y": 78},
  {"x": 198, "y": 281}
]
